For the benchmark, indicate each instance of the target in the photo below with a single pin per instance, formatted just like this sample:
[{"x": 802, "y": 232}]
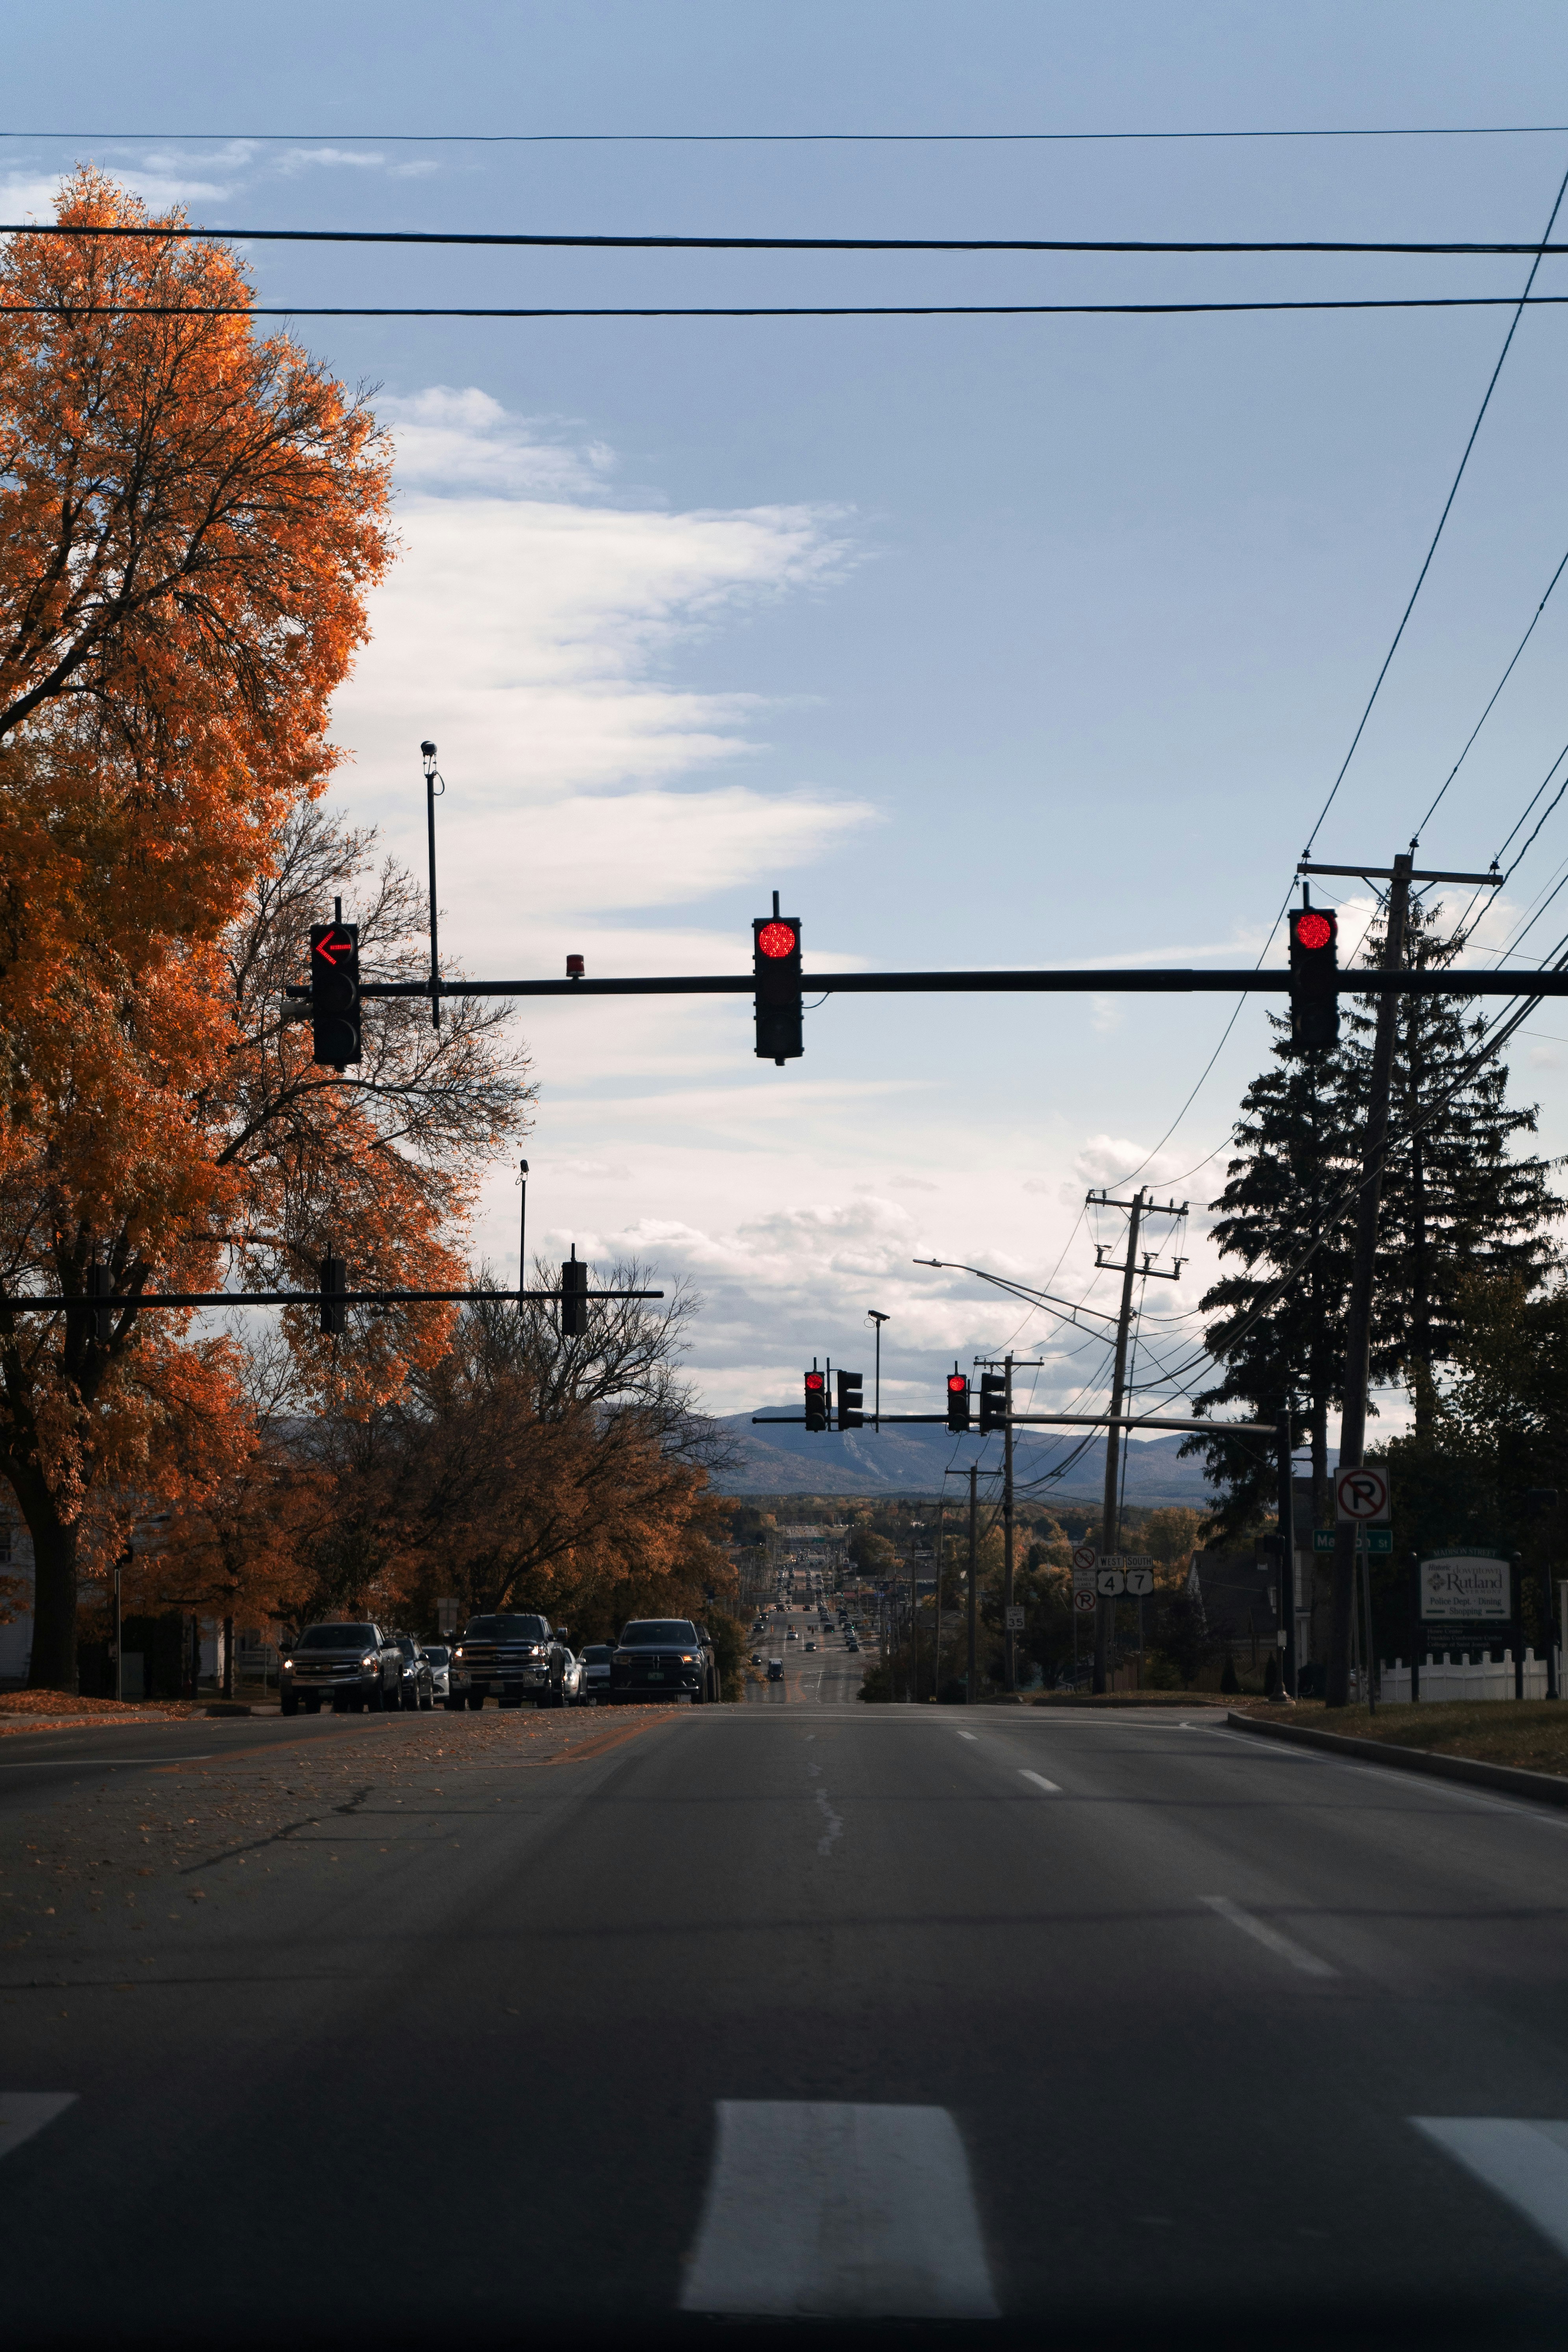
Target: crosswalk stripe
[
  {"x": 1524, "y": 2163},
  {"x": 23, "y": 2113},
  {"x": 827, "y": 2210}
]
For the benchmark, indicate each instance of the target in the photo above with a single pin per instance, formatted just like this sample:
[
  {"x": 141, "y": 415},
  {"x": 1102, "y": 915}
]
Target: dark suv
[
  {"x": 354, "y": 1665},
  {"x": 515, "y": 1657},
  {"x": 664, "y": 1658}
]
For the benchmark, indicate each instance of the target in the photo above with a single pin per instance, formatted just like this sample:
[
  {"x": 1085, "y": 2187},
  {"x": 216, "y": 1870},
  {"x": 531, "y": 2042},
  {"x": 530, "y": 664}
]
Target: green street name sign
[{"x": 1366, "y": 1539}]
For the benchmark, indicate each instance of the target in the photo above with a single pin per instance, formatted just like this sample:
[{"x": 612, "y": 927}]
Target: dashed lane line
[
  {"x": 23, "y": 2113},
  {"x": 1284, "y": 1948},
  {"x": 1524, "y": 2163},
  {"x": 1051, "y": 1788}
]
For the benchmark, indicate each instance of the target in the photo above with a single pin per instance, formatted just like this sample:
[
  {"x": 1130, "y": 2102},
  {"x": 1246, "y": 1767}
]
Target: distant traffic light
[
  {"x": 574, "y": 1296},
  {"x": 817, "y": 1400},
  {"x": 775, "y": 961},
  {"x": 334, "y": 992},
  {"x": 100, "y": 1288},
  {"x": 851, "y": 1400},
  {"x": 1314, "y": 965},
  {"x": 993, "y": 1402},
  {"x": 957, "y": 1402},
  {"x": 333, "y": 1280}
]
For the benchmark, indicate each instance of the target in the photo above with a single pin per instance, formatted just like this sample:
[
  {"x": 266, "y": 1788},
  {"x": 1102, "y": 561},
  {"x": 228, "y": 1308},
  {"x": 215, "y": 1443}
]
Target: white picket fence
[{"x": 1442, "y": 1680}]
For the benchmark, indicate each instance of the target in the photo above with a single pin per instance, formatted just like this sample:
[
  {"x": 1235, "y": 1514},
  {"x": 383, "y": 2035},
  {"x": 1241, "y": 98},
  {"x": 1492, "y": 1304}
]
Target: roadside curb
[{"x": 1508, "y": 1779}]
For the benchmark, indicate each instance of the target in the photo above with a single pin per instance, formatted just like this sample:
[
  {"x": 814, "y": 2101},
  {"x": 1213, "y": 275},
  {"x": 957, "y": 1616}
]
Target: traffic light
[
  {"x": 334, "y": 992},
  {"x": 775, "y": 961},
  {"x": 817, "y": 1400},
  {"x": 851, "y": 1400},
  {"x": 993, "y": 1402},
  {"x": 1314, "y": 964},
  {"x": 333, "y": 1280},
  {"x": 574, "y": 1296},
  {"x": 957, "y": 1402}
]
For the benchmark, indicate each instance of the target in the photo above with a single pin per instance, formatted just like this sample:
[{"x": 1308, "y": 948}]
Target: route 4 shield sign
[
  {"x": 1109, "y": 1582},
  {"x": 1361, "y": 1496}
]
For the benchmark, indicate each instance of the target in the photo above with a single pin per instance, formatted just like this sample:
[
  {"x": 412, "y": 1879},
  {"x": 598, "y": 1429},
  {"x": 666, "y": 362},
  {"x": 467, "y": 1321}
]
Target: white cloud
[{"x": 458, "y": 440}]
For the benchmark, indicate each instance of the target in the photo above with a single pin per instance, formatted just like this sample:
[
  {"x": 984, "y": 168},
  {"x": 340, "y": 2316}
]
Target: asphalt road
[
  {"x": 830, "y": 1673},
  {"x": 801, "y": 2007}
]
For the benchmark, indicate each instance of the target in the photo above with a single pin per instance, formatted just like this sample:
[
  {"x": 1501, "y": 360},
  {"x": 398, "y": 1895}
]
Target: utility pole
[
  {"x": 1358, "y": 1320},
  {"x": 973, "y": 1596},
  {"x": 1010, "y": 1651},
  {"x": 1287, "y": 1508},
  {"x": 1137, "y": 1207},
  {"x": 434, "y": 786}
]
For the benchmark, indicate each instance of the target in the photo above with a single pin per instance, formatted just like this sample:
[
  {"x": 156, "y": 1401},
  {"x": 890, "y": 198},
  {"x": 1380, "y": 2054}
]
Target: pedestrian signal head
[{"x": 1314, "y": 991}]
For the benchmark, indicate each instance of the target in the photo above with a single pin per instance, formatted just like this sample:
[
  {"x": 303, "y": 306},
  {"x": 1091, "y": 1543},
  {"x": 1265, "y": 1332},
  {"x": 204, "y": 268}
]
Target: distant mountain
[{"x": 784, "y": 1459}]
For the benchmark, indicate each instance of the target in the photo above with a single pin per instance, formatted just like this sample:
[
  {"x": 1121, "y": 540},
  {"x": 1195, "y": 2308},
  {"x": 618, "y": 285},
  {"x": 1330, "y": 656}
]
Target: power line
[
  {"x": 65, "y": 310},
  {"x": 1442, "y": 519},
  {"x": 1416, "y": 836},
  {"x": 134, "y": 233},
  {"x": 805, "y": 137}
]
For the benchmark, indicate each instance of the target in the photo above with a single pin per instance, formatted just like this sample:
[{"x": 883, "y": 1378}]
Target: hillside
[{"x": 784, "y": 1459}]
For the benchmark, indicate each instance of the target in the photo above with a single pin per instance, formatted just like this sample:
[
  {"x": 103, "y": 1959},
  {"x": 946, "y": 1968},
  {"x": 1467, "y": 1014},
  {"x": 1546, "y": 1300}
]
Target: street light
[{"x": 878, "y": 1319}]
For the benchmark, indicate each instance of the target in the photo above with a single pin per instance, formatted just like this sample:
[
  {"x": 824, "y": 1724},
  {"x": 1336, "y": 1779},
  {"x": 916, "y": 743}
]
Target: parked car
[
  {"x": 510, "y": 1657},
  {"x": 775, "y": 1670},
  {"x": 356, "y": 1666},
  {"x": 417, "y": 1683},
  {"x": 438, "y": 1658},
  {"x": 664, "y": 1658},
  {"x": 571, "y": 1678},
  {"x": 596, "y": 1665}
]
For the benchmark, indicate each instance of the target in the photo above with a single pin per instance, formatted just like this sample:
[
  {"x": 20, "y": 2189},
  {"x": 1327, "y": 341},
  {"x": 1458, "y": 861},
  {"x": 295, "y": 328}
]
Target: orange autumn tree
[{"x": 191, "y": 516}]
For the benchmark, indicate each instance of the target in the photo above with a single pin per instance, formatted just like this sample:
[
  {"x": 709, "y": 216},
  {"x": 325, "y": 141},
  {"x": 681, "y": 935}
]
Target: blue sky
[{"x": 1023, "y": 641}]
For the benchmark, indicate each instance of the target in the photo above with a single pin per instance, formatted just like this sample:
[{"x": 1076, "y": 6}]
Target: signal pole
[
  {"x": 1010, "y": 1653},
  {"x": 1137, "y": 1207},
  {"x": 973, "y": 1597}
]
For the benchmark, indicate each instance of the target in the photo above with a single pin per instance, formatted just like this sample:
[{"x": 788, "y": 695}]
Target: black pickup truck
[
  {"x": 664, "y": 1658},
  {"x": 513, "y": 1657}
]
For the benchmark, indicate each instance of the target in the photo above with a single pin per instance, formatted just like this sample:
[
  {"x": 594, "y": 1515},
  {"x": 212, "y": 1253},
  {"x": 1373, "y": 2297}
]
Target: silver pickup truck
[
  {"x": 511, "y": 1658},
  {"x": 356, "y": 1666}
]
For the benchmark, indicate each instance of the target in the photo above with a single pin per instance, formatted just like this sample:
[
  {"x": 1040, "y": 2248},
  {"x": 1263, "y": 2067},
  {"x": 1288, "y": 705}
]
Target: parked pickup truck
[
  {"x": 355, "y": 1666},
  {"x": 511, "y": 1658},
  {"x": 664, "y": 1658}
]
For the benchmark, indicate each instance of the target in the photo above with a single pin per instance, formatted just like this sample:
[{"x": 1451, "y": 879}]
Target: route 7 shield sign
[{"x": 1361, "y": 1496}]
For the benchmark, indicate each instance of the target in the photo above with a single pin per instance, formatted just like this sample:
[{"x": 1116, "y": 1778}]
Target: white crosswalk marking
[
  {"x": 823, "y": 2211},
  {"x": 1524, "y": 2163},
  {"x": 23, "y": 2113}
]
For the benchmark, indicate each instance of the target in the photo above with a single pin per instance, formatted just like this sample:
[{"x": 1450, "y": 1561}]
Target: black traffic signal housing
[
  {"x": 334, "y": 994},
  {"x": 775, "y": 962},
  {"x": 851, "y": 1400},
  {"x": 993, "y": 1402},
  {"x": 100, "y": 1289},
  {"x": 574, "y": 1296},
  {"x": 333, "y": 1280},
  {"x": 957, "y": 1402},
  {"x": 817, "y": 1400},
  {"x": 1314, "y": 970}
]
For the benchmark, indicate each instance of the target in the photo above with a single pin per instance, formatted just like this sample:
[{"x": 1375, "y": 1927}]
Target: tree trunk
[{"x": 54, "y": 1665}]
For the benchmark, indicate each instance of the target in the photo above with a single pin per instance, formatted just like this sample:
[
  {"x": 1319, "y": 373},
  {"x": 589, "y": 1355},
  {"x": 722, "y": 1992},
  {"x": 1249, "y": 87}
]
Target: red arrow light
[{"x": 330, "y": 949}]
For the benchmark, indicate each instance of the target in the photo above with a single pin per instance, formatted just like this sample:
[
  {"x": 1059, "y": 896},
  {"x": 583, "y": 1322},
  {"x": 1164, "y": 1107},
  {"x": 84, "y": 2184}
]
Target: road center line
[
  {"x": 969, "y": 1735},
  {"x": 1285, "y": 1947},
  {"x": 1051, "y": 1788},
  {"x": 822, "y": 2210}
]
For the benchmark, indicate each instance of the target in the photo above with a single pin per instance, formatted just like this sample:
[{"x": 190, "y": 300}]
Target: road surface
[{"x": 771, "y": 2010}]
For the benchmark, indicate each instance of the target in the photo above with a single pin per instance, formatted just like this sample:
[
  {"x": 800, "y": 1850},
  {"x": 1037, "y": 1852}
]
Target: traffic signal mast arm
[
  {"x": 33, "y": 1301},
  {"x": 1358, "y": 980}
]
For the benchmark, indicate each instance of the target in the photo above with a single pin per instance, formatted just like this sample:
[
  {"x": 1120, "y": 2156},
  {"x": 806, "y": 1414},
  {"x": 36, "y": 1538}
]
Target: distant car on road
[
  {"x": 664, "y": 1658},
  {"x": 775, "y": 1670},
  {"x": 811, "y": 1645}
]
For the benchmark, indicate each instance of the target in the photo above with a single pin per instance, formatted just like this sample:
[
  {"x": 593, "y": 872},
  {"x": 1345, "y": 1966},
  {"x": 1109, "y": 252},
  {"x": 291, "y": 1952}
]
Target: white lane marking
[
  {"x": 835, "y": 1830},
  {"x": 969, "y": 1735},
  {"x": 1051, "y": 1787},
  {"x": 1524, "y": 2163},
  {"x": 1285, "y": 1947},
  {"x": 23, "y": 2113},
  {"x": 828, "y": 2211}
]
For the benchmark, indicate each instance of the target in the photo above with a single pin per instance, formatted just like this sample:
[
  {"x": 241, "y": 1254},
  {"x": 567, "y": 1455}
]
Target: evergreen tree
[{"x": 1456, "y": 1203}]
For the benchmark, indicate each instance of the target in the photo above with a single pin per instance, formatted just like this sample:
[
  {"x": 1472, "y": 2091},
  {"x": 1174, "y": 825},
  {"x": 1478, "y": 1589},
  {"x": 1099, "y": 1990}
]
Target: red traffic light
[
  {"x": 777, "y": 939},
  {"x": 957, "y": 1384},
  {"x": 1312, "y": 930},
  {"x": 815, "y": 1381}
]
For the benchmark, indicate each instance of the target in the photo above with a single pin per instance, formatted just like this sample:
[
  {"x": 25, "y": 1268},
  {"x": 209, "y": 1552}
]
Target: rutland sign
[{"x": 1467, "y": 1588}]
